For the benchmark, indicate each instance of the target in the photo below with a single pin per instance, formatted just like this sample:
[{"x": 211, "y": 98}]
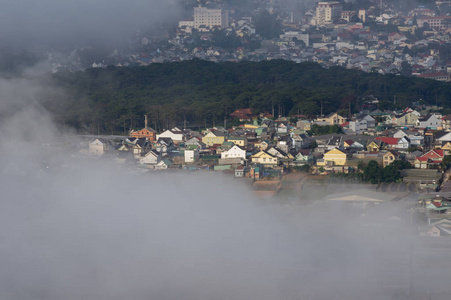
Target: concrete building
[
  {"x": 210, "y": 18},
  {"x": 327, "y": 12},
  {"x": 290, "y": 35}
]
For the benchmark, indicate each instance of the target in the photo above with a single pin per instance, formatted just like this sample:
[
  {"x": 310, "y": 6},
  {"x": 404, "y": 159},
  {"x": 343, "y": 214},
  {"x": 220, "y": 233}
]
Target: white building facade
[
  {"x": 327, "y": 12},
  {"x": 210, "y": 17}
]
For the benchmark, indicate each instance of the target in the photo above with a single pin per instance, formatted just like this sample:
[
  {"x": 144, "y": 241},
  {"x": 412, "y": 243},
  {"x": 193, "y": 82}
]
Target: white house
[
  {"x": 358, "y": 126},
  {"x": 163, "y": 164},
  {"x": 98, "y": 147},
  {"x": 150, "y": 158},
  {"x": 430, "y": 121},
  {"x": 370, "y": 121},
  {"x": 444, "y": 136},
  {"x": 196, "y": 141},
  {"x": 399, "y": 134},
  {"x": 403, "y": 143},
  {"x": 175, "y": 134},
  {"x": 191, "y": 153},
  {"x": 234, "y": 152}
]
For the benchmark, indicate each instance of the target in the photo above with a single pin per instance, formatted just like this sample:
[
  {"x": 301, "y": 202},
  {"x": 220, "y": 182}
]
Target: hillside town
[
  {"x": 285, "y": 158},
  {"x": 379, "y": 37},
  {"x": 263, "y": 146}
]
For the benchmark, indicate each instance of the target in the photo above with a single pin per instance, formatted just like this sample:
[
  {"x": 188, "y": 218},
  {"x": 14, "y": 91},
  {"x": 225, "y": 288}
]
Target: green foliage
[
  {"x": 204, "y": 93},
  {"x": 372, "y": 172},
  {"x": 361, "y": 166},
  {"x": 313, "y": 144},
  {"x": 446, "y": 162},
  {"x": 304, "y": 168},
  {"x": 401, "y": 164},
  {"x": 322, "y": 130},
  {"x": 391, "y": 173}
]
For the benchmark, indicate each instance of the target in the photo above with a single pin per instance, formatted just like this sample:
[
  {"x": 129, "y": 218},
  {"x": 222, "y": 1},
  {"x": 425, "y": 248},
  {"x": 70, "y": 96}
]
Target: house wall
[
  {"x": 234, "y": 152},
  {"x": 191, "y": 155},
  {"x": 239, "y": 142},
  {"x": 339, "y": 159},
  {"x": 168, "y": 134},
  {"x": 212, "y": 140},
  {"x": 265, "y": 160},
  {"x": 144, "y": 133},
  {"x": 97, "y": 147}
]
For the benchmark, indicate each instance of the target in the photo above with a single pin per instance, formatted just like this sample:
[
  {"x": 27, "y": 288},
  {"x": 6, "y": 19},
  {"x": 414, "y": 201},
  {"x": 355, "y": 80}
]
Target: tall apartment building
[
  {"x": 437, "y": 23},
  {"x": 327, "y": 12},
  {"x": 210, "y": 17}
]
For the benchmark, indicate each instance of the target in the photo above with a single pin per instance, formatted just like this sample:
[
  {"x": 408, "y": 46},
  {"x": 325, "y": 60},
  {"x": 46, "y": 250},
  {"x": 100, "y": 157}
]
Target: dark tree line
[{"x": 199, "y": 92}]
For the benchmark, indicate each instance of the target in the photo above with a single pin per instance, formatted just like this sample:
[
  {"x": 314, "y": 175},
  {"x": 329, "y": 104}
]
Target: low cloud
[
  {"x": 60, "y": 23},
  {"x": 76, "y": 228}
]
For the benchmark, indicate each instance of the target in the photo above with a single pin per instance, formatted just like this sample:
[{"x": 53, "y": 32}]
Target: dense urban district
[{"x": 411, "y": 38}]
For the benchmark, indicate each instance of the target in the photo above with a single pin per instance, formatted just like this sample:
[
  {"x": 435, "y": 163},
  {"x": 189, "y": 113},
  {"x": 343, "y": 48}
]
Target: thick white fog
[
  {"x": 59, "y": 23},
  {"x": 76, "y": 228}
]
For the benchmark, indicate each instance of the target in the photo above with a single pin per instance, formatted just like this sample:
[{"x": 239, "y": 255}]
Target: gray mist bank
[
  {"x": 53, "y": 23},
  {"x": 87, "y": 229}
]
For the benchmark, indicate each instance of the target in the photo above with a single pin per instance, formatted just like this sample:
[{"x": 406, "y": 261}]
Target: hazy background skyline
[{"x": 53, "y": 23}]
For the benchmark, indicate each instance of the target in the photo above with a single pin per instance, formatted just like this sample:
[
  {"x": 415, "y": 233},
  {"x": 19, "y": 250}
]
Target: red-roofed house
[
  {"x": 432, "y": 157},
  {"x": 390, "y": 143}
]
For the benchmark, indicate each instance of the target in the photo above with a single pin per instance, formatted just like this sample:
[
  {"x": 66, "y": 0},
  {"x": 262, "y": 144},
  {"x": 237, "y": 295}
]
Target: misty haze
[{"x": 225, "y": 150}]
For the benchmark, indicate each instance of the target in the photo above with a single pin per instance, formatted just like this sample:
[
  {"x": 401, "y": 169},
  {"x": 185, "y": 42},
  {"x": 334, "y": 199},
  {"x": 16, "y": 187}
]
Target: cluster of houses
[
  {"x": 263, "y": 146},
  {"x": 437, "y": 213},
  {"x": 356, "y": 43}
]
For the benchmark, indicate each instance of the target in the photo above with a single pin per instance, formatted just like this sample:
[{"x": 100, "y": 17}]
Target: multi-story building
[
  {"x": 210, "y": 18},
  {"x": 327, "y": 12},
  {"x": 437, "y": 23}
]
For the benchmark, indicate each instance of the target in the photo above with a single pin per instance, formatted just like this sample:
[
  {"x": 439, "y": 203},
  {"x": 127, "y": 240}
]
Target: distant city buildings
[
  {"x": 327, "y": 12},
  {"x": 209, "y": 18}
]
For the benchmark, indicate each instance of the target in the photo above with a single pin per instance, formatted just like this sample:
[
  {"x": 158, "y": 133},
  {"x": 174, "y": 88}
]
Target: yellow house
[
  {"x": 446, "y": 147},
  {"x": 406, "y": 119},
  {"x": 333, "y": 119},
  {"x": 334, "y": 157},
  {"x": 388, "y": 158},
  {"x": 374, "y": 146},
  {"x": 238, "y": 140},
  {"x": 264, "y": 158},
  {"x": 212, "y": 138}
]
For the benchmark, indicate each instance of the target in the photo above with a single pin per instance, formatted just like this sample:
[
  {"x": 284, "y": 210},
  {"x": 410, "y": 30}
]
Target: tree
[
  {"x": 391, "y": 173},
  {"x": 446, "y": 162},
  {"x": 361, "y": 166},
  {"x": 372, "y": 172}
]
